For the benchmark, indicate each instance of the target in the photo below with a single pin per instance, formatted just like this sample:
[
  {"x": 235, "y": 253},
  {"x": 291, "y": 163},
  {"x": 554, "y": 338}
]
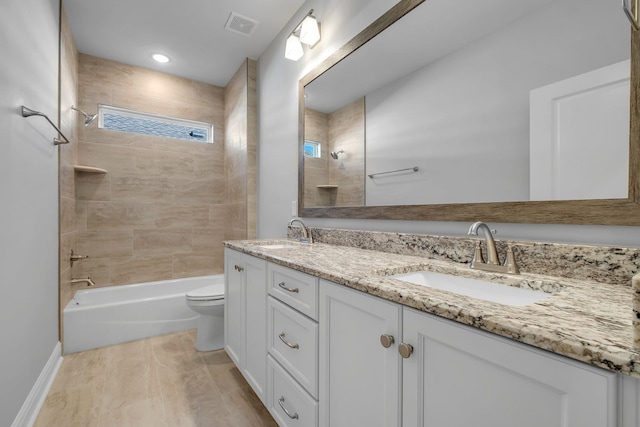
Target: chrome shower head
[
  {"x": 334, "y": 154},
  {"x": 88, "y": 118}
]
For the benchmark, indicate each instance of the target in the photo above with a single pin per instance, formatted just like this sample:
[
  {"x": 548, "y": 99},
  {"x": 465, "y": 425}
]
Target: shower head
[
  {"x": 334, "y": 154},
  {"x": 88, "y": 118}
]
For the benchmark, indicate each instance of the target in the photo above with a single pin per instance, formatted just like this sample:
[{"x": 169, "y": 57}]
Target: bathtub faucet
[{"x": 88, "y": 281}]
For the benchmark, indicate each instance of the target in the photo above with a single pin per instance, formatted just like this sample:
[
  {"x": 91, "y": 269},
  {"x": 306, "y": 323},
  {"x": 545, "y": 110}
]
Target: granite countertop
[{"x": 584, "y": 320}]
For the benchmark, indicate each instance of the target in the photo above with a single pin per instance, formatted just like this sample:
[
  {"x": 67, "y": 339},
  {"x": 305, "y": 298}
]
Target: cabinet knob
[
  {"x": 386, "y": 340},
  {"x": 238, "y": 268},
  {"x": 405, "y": 350}
]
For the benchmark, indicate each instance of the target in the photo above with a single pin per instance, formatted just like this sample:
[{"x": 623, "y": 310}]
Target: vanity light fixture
[
  {"x": 307, "y": 32},
  {"x": 161, "y": 58}
]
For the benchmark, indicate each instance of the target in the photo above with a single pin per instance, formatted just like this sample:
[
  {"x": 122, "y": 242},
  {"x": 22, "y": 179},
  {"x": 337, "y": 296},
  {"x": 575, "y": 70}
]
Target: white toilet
[{"x": 209, "y": 303}]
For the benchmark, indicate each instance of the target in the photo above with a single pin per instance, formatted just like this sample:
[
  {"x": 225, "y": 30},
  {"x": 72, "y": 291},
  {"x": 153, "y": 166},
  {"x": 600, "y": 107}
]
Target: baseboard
[{"x": 31, "y": 406}]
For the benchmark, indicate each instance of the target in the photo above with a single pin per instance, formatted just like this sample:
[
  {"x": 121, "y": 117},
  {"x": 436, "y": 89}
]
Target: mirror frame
[{"x": 600, "y": 212}]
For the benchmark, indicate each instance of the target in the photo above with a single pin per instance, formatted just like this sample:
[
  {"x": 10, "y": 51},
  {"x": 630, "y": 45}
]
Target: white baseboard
[{"x": 31, "y": 406}]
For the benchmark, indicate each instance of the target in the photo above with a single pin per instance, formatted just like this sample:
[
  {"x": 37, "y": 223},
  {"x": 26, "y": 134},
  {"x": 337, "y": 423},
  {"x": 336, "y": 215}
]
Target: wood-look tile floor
[{"x": 160, "y": 382}]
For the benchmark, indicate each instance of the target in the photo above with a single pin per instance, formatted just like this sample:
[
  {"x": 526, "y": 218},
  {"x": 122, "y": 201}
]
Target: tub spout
[{"x": 88, "y": 281}]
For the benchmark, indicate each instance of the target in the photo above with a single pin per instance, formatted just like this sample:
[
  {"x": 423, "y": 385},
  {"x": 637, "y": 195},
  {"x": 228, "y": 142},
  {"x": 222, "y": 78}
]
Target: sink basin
[
  {"x": 474, "y": 288},
  {"x": 280, "y": 245}
]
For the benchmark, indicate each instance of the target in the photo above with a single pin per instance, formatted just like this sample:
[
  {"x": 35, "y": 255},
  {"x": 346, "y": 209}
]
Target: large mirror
[{"x": 500, "y": 110}]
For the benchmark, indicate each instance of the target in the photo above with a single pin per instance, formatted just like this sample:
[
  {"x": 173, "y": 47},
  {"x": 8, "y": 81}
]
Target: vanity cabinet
[
  {"x": 460, "y": 376},
  {"x": 360, "y": 379},
  {"x": 292, "y": 344},
  {"x": 454, "y": 375},
  {"x": 245, "y": 317}
]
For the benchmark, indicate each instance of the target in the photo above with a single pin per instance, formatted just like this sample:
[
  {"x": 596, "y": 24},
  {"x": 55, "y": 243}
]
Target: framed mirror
[{"x": 511, "y": 111}]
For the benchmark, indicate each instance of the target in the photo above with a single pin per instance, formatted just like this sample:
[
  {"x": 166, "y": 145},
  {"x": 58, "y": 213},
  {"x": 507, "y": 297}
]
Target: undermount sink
[
  {"x": 280, "y": 245},
  {"x": 474, "y": 288}
]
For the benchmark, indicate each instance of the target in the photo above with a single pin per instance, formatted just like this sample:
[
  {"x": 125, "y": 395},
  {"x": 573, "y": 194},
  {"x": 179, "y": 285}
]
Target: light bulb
[
  {"x": 293, "y": 49},
  {"x": 309, "y": 32},
  {"x": 158, "y": 57}
]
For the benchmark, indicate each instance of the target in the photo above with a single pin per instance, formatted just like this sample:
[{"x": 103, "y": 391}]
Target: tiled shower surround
[{"x": 164, "y": 206}]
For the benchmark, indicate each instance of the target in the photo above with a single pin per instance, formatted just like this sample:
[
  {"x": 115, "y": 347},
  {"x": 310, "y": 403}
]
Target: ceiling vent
[{"x": 240, "y": 24}]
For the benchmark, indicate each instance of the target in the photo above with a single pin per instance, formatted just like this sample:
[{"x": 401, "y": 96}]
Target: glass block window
[
  {"x": 123, "y": 120},
  {"x": 312, "y": 149}
]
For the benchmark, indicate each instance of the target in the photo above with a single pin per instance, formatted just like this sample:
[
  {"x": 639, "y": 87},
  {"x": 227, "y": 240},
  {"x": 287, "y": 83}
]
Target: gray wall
[
  {"x": 278, "y": 122},
  {"x": 29, "y": 194}
]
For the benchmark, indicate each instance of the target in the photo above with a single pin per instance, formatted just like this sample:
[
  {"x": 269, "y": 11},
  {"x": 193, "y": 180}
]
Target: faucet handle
[
  {"x": 477, "y": 255},
  {"x": 510, "y": 261}
]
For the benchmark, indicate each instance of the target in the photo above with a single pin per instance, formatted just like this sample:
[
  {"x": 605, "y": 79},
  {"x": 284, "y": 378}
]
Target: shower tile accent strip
[{"x": 595, "y": 263}]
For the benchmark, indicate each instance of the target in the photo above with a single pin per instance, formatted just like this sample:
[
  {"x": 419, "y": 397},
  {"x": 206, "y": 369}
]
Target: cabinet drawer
[
  {"x": 288, "y": 403},
  {"x": 292, "y": 339},
  {"x": 292, "y": 287}
]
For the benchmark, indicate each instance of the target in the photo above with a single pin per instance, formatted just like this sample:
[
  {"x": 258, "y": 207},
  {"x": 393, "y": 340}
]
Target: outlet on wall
[{"x": 294, "y": 208}]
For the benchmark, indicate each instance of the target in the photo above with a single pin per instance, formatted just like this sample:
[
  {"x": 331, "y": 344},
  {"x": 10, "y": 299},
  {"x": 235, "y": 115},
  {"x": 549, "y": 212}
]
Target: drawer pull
[
  {"x": 238, "y": 268},
  {"x": 281, "y": 403},
  {"x": 294, "y": 290},
  {"x": 294, "y": 346}
]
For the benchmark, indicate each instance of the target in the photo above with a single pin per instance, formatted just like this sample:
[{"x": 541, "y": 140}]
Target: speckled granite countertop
[{"x": 587, "y": 321}]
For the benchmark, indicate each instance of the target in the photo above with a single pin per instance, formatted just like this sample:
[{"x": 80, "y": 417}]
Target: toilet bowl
[{"x": 209, "y": 303}]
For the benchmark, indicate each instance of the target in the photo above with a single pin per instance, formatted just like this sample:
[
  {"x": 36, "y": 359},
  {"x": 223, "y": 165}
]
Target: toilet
[{"x": 209, "y": 303}]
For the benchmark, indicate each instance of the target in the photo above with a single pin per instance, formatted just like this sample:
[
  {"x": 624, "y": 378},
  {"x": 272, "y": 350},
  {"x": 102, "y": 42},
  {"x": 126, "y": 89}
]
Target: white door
[
  {"x": 579, "y": 136},
  {"x": 458, "y": 376},
  {"x": 359, "y": 378}
]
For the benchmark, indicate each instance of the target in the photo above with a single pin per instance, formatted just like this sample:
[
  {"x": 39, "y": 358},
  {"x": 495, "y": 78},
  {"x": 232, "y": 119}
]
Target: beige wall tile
[
  {"x": 190, "y": 265},
  {"x": 207, "y": 239},
  {"x": 113, "y": 158},
  {"x": 155, "y": 242},
  {"x": 99, "y": 269},
  {"x": 67, "y": 215},
  {"x": 199, "y": 191},
  {"x": 93, "y": 186},
  {"x": 169, "y": 215},
  {"x": 105, "y": 243},
  {"x": 140, "y": 269},
  {"x": 123, "y": 215},
  {"x": 165, "y": 163},
  {"x": 140, "y": 188},
  {"x": 81, "y": 215}
]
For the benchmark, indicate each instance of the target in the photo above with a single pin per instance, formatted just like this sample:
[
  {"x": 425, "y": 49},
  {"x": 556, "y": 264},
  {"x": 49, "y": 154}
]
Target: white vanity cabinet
[
  {"x": 292, "y": 344},
  {"x": 454, "y": 375},
  {"x": 460, "y": 376},
  {"x": 360, "y": 380},
  {"x": 245, "y": 317}
]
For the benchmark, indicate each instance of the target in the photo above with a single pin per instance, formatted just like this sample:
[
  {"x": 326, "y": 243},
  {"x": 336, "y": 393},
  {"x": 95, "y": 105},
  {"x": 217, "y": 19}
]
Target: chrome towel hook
[
  {"x": 28, "y": 112},
  {"x": 631, "y": 12}
]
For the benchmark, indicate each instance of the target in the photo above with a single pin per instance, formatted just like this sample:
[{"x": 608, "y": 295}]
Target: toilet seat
[{"x": 208, "y": 293}]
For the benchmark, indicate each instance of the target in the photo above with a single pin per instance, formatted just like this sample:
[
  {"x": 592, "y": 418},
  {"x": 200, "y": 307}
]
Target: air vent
[{"x": 240, "y": 24}]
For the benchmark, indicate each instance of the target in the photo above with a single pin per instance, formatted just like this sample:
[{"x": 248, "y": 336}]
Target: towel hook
[{"x": 28, "y": 112}]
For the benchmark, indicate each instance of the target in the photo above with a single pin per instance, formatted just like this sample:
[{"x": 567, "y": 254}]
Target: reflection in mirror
[
  {"x": 514, "y": 100},
  {"x": 335, "y": 177}
]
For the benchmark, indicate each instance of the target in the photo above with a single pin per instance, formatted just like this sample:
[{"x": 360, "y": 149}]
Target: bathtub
[{"x": 112, "y": 315}]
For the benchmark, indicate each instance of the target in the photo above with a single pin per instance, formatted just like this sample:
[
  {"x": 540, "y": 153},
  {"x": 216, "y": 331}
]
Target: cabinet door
[
  {"x": 359, "y": 378},
  {"x": 458, "y": 376},
  {"x": 245, "y": 317},
  {"x": 255, "y": 309},
  {"x": 233, "y": 306}
]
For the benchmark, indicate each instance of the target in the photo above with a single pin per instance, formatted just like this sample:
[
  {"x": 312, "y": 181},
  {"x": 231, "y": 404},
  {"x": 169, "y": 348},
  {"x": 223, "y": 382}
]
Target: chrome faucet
[
  {"x": 306, "y": 235},
  {"x": 493, "y": 262},
  {"x": 88, "y": 281}
]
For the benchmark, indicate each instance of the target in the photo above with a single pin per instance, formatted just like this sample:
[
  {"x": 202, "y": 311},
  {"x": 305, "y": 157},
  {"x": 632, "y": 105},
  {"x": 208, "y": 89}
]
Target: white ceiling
[{"x": 190, "y": 32}]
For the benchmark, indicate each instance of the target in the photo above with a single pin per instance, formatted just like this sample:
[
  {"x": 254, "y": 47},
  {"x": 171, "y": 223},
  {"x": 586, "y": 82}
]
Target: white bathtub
[{"x": 112, "y": 315}]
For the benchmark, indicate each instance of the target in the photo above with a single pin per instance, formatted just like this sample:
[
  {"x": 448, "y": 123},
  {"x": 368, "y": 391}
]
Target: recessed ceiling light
[{"x": 158, "y": 57}]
